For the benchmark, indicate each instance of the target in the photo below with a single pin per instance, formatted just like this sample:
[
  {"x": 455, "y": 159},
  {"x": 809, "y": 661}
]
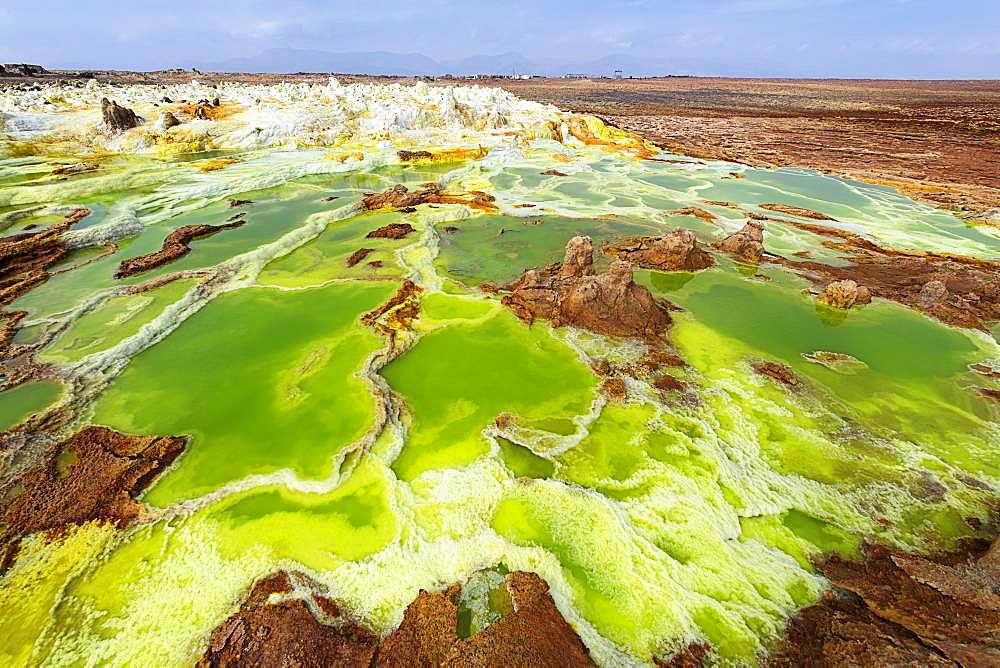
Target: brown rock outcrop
[
  {"x": 845, "y": 294},
  {"x": 396, "y": 314},
  {"x": 677, "y": 251},
  {"x": 400, "y": 197},
  {"x": 287, "y": 633},
  {"x": 75, "y": 168},
  {"x": 410, "y": 156},
  {"x": 692, "y": 656},
  {"x": 117, "y": 118},
  {"x": 746, "y": 244},
  {"x": 697, "y": 212},
  {"x": 359, "y": 255},
  {"x": 177, "y": 244},
  {"x": 428, "y": 631},
  {"x": 167, "y": 120},
  {"x": 796, "y": 211},
  {"x": 25, "y": 258},
  {"x": 778, "y": 372},
  {"x": 275, "y": 626},
  {"x": 841, "y": 631},
  {"x": 571, "y": 294},
  {"x": 951, "y": 604},
  {"x": 95, "y": 474},
  {"x": 534, "y": 634},
  {"x": 955, "y": 289},
  {"x": 553, "y": 172},
  {"x": 391, "y": 231},
  {"x": 893, "y": 608}
]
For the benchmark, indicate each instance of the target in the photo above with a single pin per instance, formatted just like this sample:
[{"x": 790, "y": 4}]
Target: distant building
[{"x": 618, "y": 74}]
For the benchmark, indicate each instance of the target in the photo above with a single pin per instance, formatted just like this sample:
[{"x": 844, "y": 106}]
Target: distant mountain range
[{"x": 287, "y": 60}]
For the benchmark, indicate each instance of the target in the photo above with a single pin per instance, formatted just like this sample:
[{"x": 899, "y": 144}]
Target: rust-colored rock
[
  {"x": 796, "y": 211},
  {"x": 571, "y": 294},
  {"x": 25, "y": 258},
  {"x": 428, "y": 631},
  {"x": 988, "y": 370},
  {"x": 778, "y": 372},
  {"x": 397, "y": 313},
  {"x": 177, "y": 244},
  {"x": 845, "y": 294},
  {"x": 410, "y": 156},
  {"x": 614, "y": 389},
  {"x": 951, "y": 604},
  {"x": 989, "y": 393},
  {"x": 117, "y": 118},
  {"x": 276, "y": 627},
  {"x": 400, "y": 197},
  {"x": 841, "y": 631},
  {"x": 553, "y": 172},
  {"x": 285, "y": 632},
  {"x": 955, "y": 289},
  {"x": 668, "y": 383},
  {"x": 391, "y": 231},
  {"x": 75, "y": 168},
  {"x": 692, "y": 656},
  {"x": 697, "y": 212},
  {"x": 677, "y": 251},
  {"x": 535, "y": 634},
  {"x": 746, "y": 244},
  {"x": 94, "y": 475},
  {"x": 359, "y": 255}
]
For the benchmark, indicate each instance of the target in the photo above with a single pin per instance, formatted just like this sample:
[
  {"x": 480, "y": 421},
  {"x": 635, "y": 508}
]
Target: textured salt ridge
[{"x": 275, "y": 115}]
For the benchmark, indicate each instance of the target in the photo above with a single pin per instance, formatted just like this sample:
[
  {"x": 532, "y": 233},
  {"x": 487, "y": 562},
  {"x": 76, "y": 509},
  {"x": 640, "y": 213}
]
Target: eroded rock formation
[
  {"x": 778, "y": 372},
  {"x": 400, "y": 197},
  {"x": 286, "y": 632},
  {"x": 75, "y": 168},
  {"x": 677, "y": 251},
  {"x": 411, "y": 156},
  {"x": 117, "y": 118},
  {"x": 572, "y": 294},
  {"x": 396, "y": 315},
  {"x": 359, "y": 255},
  {"x": 94, "y": 475},
  {"x": 955, "y": 289},
  {"x": 746, "y": 244},
  {"x": 391, "y": 231},
  {"x": 796, "y": 211},
  {"x": 903, "y": 610},
  {"x": 25, "y": 258},
  {"x": 177, "y": 244},
  {"x": 166, "y": 121},
  {"x": 286, "y": 621},
  {"x": 845, "y": 294},
  {"x": 697, "y": 212}
]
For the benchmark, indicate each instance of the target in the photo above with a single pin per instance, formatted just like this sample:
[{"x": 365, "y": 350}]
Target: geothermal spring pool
[{"x": 388, "y": 423}]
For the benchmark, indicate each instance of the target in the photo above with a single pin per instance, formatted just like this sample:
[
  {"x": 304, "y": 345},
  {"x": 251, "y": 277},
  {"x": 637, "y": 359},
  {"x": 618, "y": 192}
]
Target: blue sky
[{"x": 860, "y": 38}]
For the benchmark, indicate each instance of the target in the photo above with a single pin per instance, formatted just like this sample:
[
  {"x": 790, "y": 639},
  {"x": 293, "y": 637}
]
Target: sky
[{"x": 823, "y": 38}]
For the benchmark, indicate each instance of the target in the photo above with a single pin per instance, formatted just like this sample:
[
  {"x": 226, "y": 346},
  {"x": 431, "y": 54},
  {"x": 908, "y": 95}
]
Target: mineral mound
[
  {"x": 746, "y": 244},
  {"x": 677, "y": 251},
  {"x": 572, "y": 294},
  {"x": 96, "y": 474},
  {"x": 177, "y": 244},
  {"x": 277, "y": 624}
]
